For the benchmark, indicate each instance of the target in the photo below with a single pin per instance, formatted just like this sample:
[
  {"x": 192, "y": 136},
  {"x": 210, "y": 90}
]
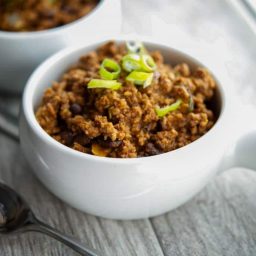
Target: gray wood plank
[
  {"x": 221, "y": 220},
  {"x": 9, "y": 109},
  {"x": 110, "y": 237}
]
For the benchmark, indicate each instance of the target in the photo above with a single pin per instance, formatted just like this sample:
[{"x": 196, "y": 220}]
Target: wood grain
[{"x": 221, "y": 220}]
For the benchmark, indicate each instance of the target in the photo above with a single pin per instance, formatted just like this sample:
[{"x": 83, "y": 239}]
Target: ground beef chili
[
  {"x": 123, "y": 123},
  {"x": 34, "y": 15}
]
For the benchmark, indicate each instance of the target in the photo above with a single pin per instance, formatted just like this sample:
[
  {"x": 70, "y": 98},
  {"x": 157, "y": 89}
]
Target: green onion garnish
[
  {"x": 131, "y": 62},
  {"x": 147, "y": 63},
  {"x": 135, "y": 47},
  {"x": 138, "y": 59},
  {"x": 140, "y": 78},
  {"x": 109, "y": 69},
  {"x": 165, "y": 110},
  {"x": 52, "y": 1},
  {"x": 191, "y": 101},
  {"x": 107, "y": 84}
]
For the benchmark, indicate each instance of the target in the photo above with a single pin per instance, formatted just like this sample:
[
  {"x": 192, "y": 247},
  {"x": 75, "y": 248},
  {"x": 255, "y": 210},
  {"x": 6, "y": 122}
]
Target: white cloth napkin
[{"x": 214, "y": 28}]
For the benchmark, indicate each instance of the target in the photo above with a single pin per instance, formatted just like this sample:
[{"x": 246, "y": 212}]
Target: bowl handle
[
  {"x": 245, "y": 151},
  {"x": 242, "y": 153}
]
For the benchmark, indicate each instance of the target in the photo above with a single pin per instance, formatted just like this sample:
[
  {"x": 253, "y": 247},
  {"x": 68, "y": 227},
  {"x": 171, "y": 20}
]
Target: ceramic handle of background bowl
[
  {"x": 242, "y": 140},
  {"x": 241, "y": 154},
  {"x": 245, "y": 151}
]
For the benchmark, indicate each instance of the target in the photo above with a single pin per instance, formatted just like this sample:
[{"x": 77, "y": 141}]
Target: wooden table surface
[{"x": 220, "y": 220}]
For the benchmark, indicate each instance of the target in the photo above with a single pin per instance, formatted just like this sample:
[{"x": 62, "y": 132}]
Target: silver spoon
[{"x": 17, "y": 217}]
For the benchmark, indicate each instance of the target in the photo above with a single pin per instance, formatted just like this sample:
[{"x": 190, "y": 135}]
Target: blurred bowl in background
[{"x": 21, "y": 52}]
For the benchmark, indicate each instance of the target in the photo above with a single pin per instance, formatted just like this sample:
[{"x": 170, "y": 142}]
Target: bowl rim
[
  {"x": 54, "y": 30},
  {"x": 29, "y": 114}
]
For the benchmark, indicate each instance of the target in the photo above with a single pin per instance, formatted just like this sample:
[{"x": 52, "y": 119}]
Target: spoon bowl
[
  {"x": 16, "y": 216},
  {"x": 14, "y": 211}
]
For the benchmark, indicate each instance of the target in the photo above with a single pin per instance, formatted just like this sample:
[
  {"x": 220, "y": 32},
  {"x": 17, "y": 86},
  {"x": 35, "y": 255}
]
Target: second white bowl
[{"x": 21, "y": 52}]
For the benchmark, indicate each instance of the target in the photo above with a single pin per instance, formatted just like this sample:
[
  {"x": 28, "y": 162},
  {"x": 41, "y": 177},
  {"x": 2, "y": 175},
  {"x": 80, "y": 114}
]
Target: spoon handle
[{"x": 38, "y": 226}]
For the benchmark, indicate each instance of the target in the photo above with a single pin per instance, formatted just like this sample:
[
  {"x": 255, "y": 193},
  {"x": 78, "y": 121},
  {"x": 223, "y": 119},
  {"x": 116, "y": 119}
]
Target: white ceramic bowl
[
  {"x": 128, "y": 188},
  {"x": 21, "y": 52}
]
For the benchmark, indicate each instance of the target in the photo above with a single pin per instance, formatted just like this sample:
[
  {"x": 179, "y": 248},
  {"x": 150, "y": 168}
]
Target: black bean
[
  {"x": 67, "y": 138},
  {"x": 82, "y": 139},
  {"x": 76, "y": 109},
  {"x": 61, "y": 123},
  {"x": 150, "y": 127},
  {"x": 49, "y": 14},
  {"x": 159, "y": 126},
  {"x": 110, "y": 143},
  {"x": 151, "y": 149},
  {"x": 115, "y": 144},
  {"x": 69, "y": 9}
]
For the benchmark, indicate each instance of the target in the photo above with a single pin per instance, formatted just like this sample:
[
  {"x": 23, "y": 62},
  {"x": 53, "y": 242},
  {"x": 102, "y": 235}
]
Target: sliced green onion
[
  {"x": 147, "y": 63},
  {"x": 135, "y": 47},
  {"x": 137, "y": 58},
  {"x": 165, "y": 110},
  {"x": 140, "y": 78},
  {"x": 107, "y": 84},
  {"x": 131, "y": 62},
  {"x": 52, "y": 1},
  {"x": 191, "y": 101},
  {"x": 109, "y": 69}
]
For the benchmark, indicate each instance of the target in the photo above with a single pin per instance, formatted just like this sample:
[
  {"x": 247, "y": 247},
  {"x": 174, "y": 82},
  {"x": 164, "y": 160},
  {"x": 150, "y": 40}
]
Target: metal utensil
[{"x": 17, "y": 217}]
